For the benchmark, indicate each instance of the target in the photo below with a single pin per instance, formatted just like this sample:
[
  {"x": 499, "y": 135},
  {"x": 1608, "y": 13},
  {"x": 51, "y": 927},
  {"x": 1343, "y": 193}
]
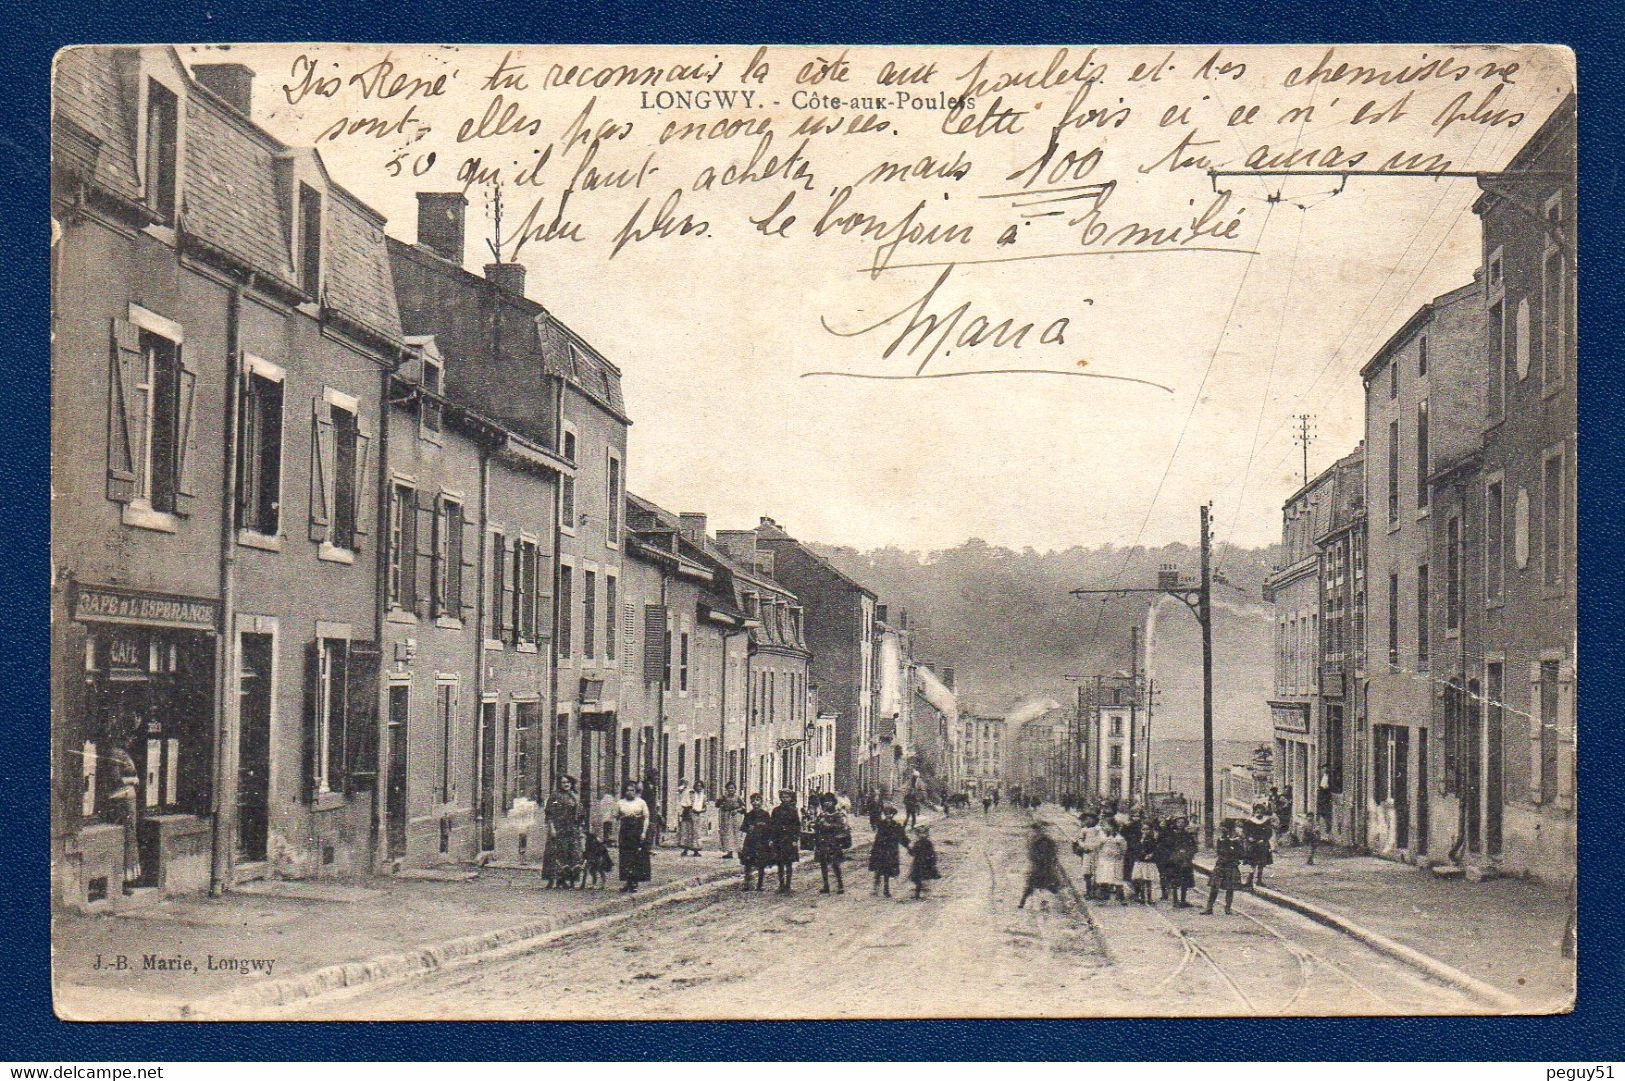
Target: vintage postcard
[{"x": 757, "y": 531}]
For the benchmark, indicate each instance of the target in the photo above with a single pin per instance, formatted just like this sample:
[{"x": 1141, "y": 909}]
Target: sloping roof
[{"x": 568, "y": 355}]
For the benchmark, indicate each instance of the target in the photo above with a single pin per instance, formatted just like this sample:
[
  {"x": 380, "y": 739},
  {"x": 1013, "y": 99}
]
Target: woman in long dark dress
[
  {"x": 633, "y": 831},
  {"x": 786, "y": 824},
  {"x": 561, "y": 858},
  {"x": 1256, "y": 832},
  {"x": 756, "y": 851},
  {"x": 884, "y": 860},
  {"x": 923, "y": 867},
  {"x": 832, "y": 836}
]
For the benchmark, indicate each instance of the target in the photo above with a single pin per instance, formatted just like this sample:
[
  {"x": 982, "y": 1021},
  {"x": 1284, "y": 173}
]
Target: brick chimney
[
  {"x": 509, "y": 277},
  {"x": 740, "y": 544},
  {"x": 231, "y": 83},
  {"x": 772, "y": 530},
  {"x": 693, "y": 523},
  {"x": 440, "y": 223}
]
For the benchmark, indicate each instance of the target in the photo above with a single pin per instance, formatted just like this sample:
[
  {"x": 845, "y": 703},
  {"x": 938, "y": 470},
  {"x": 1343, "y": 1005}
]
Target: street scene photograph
[{"x": 774, "y": 532}]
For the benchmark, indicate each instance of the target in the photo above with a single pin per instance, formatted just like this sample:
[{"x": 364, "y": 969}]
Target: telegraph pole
[
  {"x": 1133, "y": 707},
  {"x": 1199, "y": 601},
  {"x": 1303, "y": 437}
]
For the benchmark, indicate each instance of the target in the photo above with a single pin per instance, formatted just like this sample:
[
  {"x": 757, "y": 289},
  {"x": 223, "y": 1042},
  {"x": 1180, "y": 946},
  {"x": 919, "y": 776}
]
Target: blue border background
[{"x": 32, "y": 32}]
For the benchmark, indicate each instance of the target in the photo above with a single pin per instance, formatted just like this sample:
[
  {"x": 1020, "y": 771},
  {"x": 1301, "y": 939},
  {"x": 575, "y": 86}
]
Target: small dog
[{"x": 596, "y": 867}]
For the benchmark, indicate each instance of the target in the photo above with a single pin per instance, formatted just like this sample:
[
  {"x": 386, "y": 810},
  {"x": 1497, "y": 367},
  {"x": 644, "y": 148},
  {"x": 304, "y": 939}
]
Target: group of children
[
  {"x": 775, "y": 840},
  {"x": 1126, "y": 856}
]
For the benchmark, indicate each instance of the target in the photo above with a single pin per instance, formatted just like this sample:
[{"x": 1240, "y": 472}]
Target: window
[
  {"x": 1393, "y": 472},
  {"x": 566, "y": 603},
  {"x": 682, "y": 663},
  {"x": 1422, "y": 618},
  {"x": 1393, "y": 379},
  {"x": 589, "y": 614},
  {"x": 1422, "y": 454},
  {"x": 612, "y": 491},
  {"x": 610, "y": 609},
  {"x": 310, "y": 241},
  {"x": 163, "y": 133},
  {"x": 1497, "y": 360},
  {"x": 1393, "y": 621},
  {"x": 430, "y": 408},
  {"x": 1554, "y": 302},
  {"x": 338, "y": 478},
  {"x": 526, "y": 601},
  {"x": 1520, "y": 337},
  {"x": 327, "y": 739},
  {"x": 567, "y": 486},
  {"x": 1452, "y": 576},
  {"x": 1115, "y": 757},
  {"x": 1422, "y": 356},
  {"x": 447, "y": 573},
  {"x": 1494, "y": 541},
  {"x": 1552, "y": 519},
  {"x": 1117, "y": 726},
  {"x": 401, "y": 572},
  {"x": 259, "y": 461},
  {"x": 152, "y": 394}
]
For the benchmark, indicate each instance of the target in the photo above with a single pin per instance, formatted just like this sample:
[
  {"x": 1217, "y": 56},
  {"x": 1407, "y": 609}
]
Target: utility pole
[
  {"x": 1303, "y": 437},
  {"x": 1199, "y": 601},
  {"x": 1133, "y": 708},
  {"x": 1150, "y": 700}
]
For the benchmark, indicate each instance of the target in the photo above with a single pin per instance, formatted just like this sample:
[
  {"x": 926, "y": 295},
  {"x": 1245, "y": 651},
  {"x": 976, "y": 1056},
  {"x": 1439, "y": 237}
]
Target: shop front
[{"x": 136, "y": 731}]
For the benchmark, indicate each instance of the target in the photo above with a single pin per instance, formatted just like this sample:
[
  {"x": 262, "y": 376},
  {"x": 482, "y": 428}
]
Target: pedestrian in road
[
  {"x": 1226, "y": 874},
  {"x": 1257, "y": 831},
  {"x": 1043, "y": 867},
  {"x": 756, "y": 852},
  {"x": 635, "y": 832},
  {"x": 923, "y": 867},
  {"x": 561, "y": 855},
  {"x": 691, "y": 806},
  {"x": 1088, "y": 847},
  {"x": 650, "y": 791},
  {"x": 911, "y": 808},
  {"x": 729, "y": 808},
  {"x": 987, "y": 804},
  {"x": 884, "y": 860},
  {"x": 1311, "y": 836},
  {"x": 1131, "y": 845},
  {"x": 832, "y": 836},
  {"x": 1144, "y": 873},
  {"x": 124, "y": 804},
  {"x": 1169, "y": 835},
  {"x": 1109, "y": 878},
  {"x": 786, "y": 823}
]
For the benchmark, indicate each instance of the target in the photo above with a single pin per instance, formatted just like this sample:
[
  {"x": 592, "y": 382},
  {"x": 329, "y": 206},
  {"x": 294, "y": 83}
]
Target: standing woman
[
  {"x": 786, "y": 826},
  {"x": 728, "y": 810},
  {"x": 688, "y": 825},
  {"x": 561, "y": 858},
  {"x": 1109, "y": 877},
  {"x": 1256, "y": 831},
  {"x": 756, "y": 852},
  {"x": 884, "y": 859},
  {"x": 635, "y": 830},
  {"x": 832, "y": 836},
  {"x": 124, "y": 802},
  {"x": 1088, "y": 846}
]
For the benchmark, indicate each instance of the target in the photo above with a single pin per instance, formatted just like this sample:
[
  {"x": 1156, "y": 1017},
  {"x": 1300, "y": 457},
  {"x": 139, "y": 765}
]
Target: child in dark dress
[
  {"x": 923, "y": 867},
  {"x": 1226, "y": 874},
  {"x": 757, "y": 851},
  {"x": 884, "y": 860}
]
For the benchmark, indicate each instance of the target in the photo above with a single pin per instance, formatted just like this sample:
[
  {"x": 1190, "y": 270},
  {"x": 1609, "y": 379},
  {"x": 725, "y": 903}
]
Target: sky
[{"x": 1207, "y": 355}]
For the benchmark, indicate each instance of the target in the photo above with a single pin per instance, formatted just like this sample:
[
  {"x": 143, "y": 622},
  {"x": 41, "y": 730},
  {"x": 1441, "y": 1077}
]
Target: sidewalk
[
  {"x": 186, "y": 949},
  {"x": 1506, "y": 931}
]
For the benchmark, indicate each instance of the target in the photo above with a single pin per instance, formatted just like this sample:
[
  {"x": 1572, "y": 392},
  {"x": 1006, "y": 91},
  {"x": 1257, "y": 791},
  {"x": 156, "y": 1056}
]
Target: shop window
[
  {"x": 151, "y": 446},
  {"x": 259, "y": 461}
]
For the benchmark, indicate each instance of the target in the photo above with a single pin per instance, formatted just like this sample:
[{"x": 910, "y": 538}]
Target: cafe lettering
[{"x": 109, "y": 605}]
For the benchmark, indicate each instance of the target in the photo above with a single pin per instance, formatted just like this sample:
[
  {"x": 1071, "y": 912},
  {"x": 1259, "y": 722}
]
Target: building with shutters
[
  {"x": 507, "y": 358},
  {"x": 466, "y": 668},
  {"x": 1424, "y": 403},
  {"x": 1338, "y": 781},
  {"x": 1514, "y": 755},
  {"x": 223, "y": 326},
  {"x": 839, "y": 630}
]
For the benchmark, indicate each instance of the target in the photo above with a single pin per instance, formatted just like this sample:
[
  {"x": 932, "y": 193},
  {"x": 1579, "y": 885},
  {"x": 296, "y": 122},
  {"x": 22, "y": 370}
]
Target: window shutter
[
  {"x": 321, "y": 469},
  {"x": 407, "y": 557},
  {"x": 501, "y": 589},
  {"x": 313, "y": 743},
  {"x": 126, "y": 416},
  {"x": 361, "y": 716},
  {"x": 423, "y": 553},
  {"x": 465, "y": 571},
  {"x": 186, "y": 463},
  {"x": 654, "y": 643},
  {"x": 437, "y": 565},
  {"x": 363, "y": 480},
  {"x": 1535, "y": 719}
]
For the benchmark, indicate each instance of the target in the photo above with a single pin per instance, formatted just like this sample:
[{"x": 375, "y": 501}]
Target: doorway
[
  {"x": 400, "y": 695},
  {"x": 1494, "y": 713},
  {"x": 256, "y": 657},
  {"x": 488, "y": 775},
  {"x": 1421, "y": 791},
  {"x": 1400, "y": 757}
]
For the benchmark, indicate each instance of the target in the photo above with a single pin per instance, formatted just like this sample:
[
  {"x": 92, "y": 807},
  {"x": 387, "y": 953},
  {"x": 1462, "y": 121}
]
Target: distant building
[
  {"x": 1115, "y": 743},
  {"x": 983, "y": 747},
  {"x": 936, "y": 735},
  {"x": 1336, "y": 797}
]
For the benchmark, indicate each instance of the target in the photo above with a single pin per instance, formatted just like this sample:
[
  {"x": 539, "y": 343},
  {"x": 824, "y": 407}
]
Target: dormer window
[
  {"x": 429, "y": 405},
  {"x": 162, "y": 153},
  {"x": 310, "y": 241}
]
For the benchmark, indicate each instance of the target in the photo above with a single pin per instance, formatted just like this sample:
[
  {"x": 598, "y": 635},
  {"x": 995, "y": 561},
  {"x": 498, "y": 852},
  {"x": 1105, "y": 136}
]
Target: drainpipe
[
  {"x": 660, "y": 698},
  {"x": 553, "y": 635},
  {"x": 722, "y": 720},
  {"x": 224, "y": 799},
  {"x": 481, "y": 767}
]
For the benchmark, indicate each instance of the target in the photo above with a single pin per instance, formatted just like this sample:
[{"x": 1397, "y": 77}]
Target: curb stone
[{"x": 1476, "y": 988}]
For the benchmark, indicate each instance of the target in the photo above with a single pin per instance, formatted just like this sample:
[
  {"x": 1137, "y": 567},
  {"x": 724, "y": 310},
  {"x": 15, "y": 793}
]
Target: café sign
[{"x": 110, "y": 604}]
